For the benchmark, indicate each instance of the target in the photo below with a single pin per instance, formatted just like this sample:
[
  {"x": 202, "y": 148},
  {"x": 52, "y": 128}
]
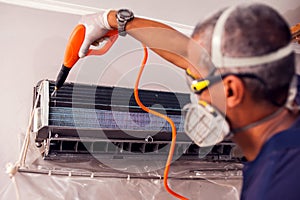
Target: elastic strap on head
[
  {"x": 220, "y": 60},
  {"x": 290, "y": 103},
  {"x": 216, "y": 46}
]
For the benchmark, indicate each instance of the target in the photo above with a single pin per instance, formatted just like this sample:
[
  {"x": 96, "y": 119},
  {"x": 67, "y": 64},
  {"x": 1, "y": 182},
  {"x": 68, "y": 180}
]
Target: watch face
[{"x": 125, "y": 13}]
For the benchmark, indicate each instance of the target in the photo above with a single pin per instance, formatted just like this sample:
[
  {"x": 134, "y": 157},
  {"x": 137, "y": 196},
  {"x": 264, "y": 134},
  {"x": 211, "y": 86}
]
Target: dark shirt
[{"x": 275, "y": 173}]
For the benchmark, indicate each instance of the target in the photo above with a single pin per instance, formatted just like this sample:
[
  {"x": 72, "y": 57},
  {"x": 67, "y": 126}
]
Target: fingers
[
  {"x": 96, "y": 28},
  {"x": 84, "y": 48},
  {"x": 97, "y": 42}
]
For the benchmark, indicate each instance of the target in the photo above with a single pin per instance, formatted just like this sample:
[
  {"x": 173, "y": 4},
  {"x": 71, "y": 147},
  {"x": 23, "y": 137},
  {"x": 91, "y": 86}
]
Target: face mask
[{"x": 204, "y": 124}]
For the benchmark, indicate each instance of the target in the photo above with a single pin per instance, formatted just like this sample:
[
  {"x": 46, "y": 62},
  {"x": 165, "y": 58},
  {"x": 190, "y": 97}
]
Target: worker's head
[{"x": 253, "y": 64}]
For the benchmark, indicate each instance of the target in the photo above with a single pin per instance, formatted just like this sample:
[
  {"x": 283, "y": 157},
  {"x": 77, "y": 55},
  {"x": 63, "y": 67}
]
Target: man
[{"x": 247, "y": 80}]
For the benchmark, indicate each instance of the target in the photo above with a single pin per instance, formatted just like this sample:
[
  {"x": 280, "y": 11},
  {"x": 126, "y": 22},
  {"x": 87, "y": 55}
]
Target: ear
[{"x": 234, "y": 90}]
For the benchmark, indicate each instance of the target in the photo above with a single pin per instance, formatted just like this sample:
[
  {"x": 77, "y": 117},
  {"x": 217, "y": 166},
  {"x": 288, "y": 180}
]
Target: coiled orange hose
[{"x": 173, "y": 142}]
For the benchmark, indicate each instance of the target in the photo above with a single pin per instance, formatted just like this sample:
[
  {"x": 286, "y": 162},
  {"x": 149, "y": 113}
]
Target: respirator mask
[{"x": 206, "y": 123}]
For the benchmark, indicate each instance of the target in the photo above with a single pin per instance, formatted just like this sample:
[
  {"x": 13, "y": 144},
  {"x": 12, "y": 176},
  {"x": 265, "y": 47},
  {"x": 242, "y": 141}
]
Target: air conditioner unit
[{"x": 91, "y": 120}]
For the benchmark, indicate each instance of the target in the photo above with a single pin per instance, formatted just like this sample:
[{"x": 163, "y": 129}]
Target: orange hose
[{"x": 171, "y": 152}]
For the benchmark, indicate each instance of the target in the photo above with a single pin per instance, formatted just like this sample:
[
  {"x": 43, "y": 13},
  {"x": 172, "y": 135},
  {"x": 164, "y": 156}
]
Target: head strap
[{"x": 220, "y": 60}]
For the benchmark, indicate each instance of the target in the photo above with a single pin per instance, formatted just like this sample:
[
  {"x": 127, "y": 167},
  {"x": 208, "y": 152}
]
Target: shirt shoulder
[{"x": 275, "y": 173}]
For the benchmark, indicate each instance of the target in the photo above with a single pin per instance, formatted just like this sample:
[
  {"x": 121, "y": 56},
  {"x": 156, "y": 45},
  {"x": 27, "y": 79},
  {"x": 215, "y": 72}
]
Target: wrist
[
  {"x": 112, "y": 19},
  {"x": 104, "y": 18}
]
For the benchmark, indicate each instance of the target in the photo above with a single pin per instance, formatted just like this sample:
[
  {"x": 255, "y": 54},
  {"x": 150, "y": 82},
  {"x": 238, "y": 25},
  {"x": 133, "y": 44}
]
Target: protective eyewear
[{"x": 199, "y": 85}]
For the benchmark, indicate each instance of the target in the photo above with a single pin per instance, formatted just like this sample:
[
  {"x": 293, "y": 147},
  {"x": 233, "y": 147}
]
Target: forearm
[{"x": 162, "y": 39}]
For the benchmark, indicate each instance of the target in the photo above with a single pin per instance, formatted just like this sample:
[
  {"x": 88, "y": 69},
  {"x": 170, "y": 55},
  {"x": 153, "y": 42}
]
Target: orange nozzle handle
[
  {"x": 75, "y": 41},
  {"x": 73, "y": 46}
]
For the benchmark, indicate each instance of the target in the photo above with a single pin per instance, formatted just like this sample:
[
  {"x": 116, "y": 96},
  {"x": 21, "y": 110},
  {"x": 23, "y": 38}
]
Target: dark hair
[{"x": 254, "y": 30}]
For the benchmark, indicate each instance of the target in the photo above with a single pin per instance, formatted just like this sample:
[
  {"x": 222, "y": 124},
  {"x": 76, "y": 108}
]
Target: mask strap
[
  {"x": 290, "y": 104},
  {"x": 216, "y": 45},
  {"x": 251, "y": 125},
  {"x": 220, "y": 60}
]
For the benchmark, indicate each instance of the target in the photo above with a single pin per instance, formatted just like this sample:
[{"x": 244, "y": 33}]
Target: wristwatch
[{"x": 123, "y": 16}]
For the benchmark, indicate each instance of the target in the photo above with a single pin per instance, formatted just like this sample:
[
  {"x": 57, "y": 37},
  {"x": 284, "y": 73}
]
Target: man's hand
[{"x": 96, "y": 26}]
